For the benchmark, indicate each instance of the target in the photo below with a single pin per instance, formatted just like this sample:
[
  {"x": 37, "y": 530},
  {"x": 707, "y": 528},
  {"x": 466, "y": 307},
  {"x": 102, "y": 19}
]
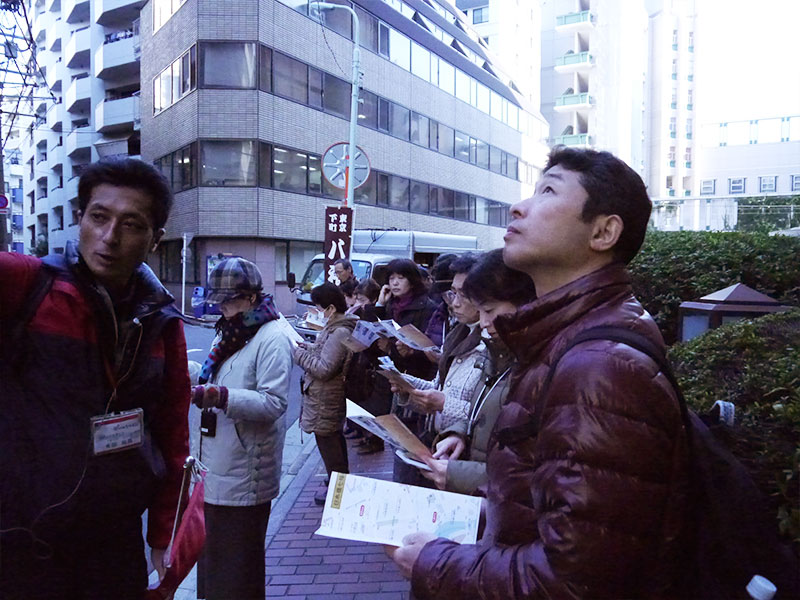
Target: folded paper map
[
  {"x": 414, "y": 338},
  {"x": 383, "y": 512},
  {"x": 390, "y": 429}
]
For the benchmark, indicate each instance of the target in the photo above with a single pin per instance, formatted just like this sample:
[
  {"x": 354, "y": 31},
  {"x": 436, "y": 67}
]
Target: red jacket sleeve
[
  {"x": 17, "y": 273},
  {"x": 171, "y": 434}
]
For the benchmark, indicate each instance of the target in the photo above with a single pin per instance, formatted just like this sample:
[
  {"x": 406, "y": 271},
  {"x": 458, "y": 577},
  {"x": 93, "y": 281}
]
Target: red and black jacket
[{"x": 74, "y": 352}]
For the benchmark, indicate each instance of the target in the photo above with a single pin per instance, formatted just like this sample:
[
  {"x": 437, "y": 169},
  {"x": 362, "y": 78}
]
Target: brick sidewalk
[{"x": 303, "y": 565}]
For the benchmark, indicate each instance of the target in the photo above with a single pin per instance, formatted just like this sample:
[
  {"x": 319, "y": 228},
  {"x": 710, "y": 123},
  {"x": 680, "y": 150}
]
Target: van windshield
[{"x": 314, "y": 276}]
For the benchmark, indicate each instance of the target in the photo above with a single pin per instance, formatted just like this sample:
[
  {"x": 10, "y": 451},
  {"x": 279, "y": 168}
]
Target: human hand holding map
[{"x": 383, "y": 512}]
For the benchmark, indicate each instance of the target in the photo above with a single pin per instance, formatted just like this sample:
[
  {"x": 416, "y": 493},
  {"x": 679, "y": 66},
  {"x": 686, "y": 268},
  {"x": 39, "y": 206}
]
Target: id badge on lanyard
[{"x": 116, "y": 432}]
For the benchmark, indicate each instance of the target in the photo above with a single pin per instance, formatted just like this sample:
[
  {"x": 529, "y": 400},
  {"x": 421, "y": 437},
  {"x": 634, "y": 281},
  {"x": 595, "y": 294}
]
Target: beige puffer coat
[{"x": 323, "y": 382}]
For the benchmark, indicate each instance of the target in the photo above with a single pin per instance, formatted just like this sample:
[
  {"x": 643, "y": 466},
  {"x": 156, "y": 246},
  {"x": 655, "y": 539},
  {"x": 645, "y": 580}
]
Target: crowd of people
[{"x": 581, "y": 458}]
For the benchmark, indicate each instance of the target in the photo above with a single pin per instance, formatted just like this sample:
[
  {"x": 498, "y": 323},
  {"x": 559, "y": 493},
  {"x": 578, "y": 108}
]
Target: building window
[
  {"x": 736, "y": 185},
  {"x": 228, "y": 163},
  {"x": 419, "y": 197},
  {"x": 228, "y": 65},
  {"x": 290, "y": 170},
  {"x": 399, "y": 118},
  {"x": 480, "y": 15},
  {"x": 264, "y": 165},
  {"x": 366, "y": 193},
  {"x": 336, "y": 95},
  {"x": 265, "y": 69},
  {"x": 315, "y": 94},
  {"x": 768, "y": 184},
  {"x": 398, "y": 192},
  {"x": 419, "y": 129},
  {"x": 163, "y": 10},
  {"x": 796, "y": 183},
  {"x": 180, "y": 168},
  {"x": 482, "y": 154},
  {"x": 708, "y": 187},
  {"x": 462, "y": 146},
  {"x": 368, "y": 110},
  {"x": 290, "y": 78},
  {"x": 174, "y": 82}
]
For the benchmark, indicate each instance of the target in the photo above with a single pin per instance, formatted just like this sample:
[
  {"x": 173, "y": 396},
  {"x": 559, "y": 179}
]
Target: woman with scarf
[
  {"x": 243, "y": 394},
  {"x": 325, "y": 363},
  {"x": 405, "y": 300}
]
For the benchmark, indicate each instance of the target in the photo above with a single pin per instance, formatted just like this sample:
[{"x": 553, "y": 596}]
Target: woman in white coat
[{"x": 243, "y": 397}]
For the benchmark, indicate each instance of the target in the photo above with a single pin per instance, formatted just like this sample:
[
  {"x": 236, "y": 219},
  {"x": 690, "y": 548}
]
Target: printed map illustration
[{"x": 383, "y": 512}]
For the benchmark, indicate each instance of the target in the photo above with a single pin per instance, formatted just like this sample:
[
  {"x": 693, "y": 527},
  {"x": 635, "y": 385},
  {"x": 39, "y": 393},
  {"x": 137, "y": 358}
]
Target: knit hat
[{"x": 232, "y": 277}]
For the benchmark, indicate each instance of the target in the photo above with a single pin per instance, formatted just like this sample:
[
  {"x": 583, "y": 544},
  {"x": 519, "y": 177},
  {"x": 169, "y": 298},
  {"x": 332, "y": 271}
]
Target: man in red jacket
[
  {"x": 587, "y": 475},
  {"x": 95, "y": 395}
]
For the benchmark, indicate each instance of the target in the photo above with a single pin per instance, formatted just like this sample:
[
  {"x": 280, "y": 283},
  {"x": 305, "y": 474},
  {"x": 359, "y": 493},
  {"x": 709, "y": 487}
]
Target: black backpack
[{"x": 733, "y": 534}]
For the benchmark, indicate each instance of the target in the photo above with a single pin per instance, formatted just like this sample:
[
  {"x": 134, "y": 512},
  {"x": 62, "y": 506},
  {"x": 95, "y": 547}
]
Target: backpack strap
[
  {"x": 518, "y": 433},
  {"x": 17, "y": 324}
]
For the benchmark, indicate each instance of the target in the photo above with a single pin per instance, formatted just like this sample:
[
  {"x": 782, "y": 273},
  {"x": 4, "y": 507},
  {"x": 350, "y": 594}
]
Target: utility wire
[{"x": 325, "y": 37}]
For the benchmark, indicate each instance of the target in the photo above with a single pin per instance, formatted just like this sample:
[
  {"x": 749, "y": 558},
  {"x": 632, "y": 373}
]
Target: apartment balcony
[
  {"x": 40, "y": 27},
  {"x": 75, "y": 11},
  {"x": 115, "y": 115},
  {"x": 116, "y": 59},
  {"x": 577, "y": 139},
  {"x": 574, "y": 62},
  {"x": 56, "y": 156},
  {"x": 568, "y": 102},
  {"x": 71, "y": 188},
  {"x": 53, "y": 5},
  {"x": 54, "y": 75},
  {"x": 78, "y": 95},
  {"x": 108, "y": 12},
  {"x": 55, "y": 117},
  {"x": 79, "y": 143},
  {"x": 576, "y": 21},
  {"x": 77, "y": 51}
]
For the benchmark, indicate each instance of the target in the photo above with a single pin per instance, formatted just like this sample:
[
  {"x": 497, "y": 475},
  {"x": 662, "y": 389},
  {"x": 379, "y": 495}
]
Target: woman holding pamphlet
[
  {"x": 462, "y": 444},
  {"x": 405, "y": 301},
  {"x": 243, "y": 394},
  {"x": 323, "y": 384}
]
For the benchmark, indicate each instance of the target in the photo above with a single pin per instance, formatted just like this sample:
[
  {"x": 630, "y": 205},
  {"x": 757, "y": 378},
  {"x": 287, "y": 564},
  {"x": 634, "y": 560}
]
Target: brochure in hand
[
  {"x": 383, "y": 512},
  {"x": 390, "y": 429}
]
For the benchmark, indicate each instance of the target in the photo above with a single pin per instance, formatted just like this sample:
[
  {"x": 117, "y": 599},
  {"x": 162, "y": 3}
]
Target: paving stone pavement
[{"x": 303, "y": 565}]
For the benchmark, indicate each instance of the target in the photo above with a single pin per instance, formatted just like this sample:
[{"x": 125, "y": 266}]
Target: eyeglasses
[{"x": 449, "y": 296}]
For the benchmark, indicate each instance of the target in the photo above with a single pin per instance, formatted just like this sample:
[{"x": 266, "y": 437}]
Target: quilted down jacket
[{"x": 594, "y": 505}]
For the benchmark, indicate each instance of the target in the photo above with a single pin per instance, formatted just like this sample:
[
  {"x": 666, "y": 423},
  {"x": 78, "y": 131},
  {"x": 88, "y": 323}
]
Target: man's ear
[
  {"x": 80, "y": 215},
  {"x": 157, "y": 238},
  {"x": 605, "y": 232}
]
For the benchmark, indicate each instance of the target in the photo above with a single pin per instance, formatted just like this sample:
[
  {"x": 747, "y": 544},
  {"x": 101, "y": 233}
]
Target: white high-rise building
[
  {"x": 594, "y": 73},
  {"x": 671, "y": 123},
  {"x": 87, "y": 56}
]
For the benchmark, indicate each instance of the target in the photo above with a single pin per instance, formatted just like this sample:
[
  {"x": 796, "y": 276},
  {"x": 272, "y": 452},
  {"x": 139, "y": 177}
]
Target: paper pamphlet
[
  {"x": 390, "y": 429},
  {"x": 290, "y": 331},
  {"x": 396, "y": 378},
  {"x": 314, "y": 319},
  {"x": 388, "y": 328},
  {"x": 404, "y": 456},
  {"x": 383, "y": 512},
  {"x": 414, "y": 338}
]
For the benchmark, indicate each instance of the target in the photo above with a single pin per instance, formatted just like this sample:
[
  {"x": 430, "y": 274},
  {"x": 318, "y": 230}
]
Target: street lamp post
[{"x": 356, "y": 85}]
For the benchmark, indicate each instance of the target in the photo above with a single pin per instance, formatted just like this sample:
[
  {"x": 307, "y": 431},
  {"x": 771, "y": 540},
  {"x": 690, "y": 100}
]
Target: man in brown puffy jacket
[{"x": 593, "y": 505}]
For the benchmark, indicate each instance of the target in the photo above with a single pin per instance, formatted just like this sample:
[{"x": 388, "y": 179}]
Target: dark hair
[
  {"x": 346, "y": 264},
  {"x": 490, "y": 279},
  {"x": 613, "y": 188},
  {"x": 328, "y": 294},
  {"x": 369, "y": 288},
  {"x": 128, "y": 173},
  {"x": 408, "y": 269},
  {"x": 463, "y": 263},
  {"x": 348, "y": 288}
]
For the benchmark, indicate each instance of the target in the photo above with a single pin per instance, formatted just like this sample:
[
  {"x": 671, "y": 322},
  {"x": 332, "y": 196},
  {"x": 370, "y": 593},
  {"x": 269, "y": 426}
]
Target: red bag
[{"x": 187, "y": 542}]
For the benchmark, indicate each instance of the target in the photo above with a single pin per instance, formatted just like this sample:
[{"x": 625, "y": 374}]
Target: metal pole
[
  {"x": 183, "y": 275},
  {"x": 356, "y": 86}
]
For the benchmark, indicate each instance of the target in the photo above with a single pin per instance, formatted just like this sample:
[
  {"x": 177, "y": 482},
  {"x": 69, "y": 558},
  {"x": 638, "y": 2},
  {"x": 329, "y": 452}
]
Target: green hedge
[
  {"x": 756, "y": 365},
  {"x": 684, "y": 265}
]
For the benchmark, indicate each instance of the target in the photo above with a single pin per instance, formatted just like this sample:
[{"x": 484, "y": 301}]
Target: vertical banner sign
[{"x": 338, "y": 232}]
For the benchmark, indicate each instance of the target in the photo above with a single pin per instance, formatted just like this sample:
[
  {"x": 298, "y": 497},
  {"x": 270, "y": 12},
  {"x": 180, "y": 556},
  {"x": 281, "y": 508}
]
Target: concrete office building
[
  {"x": 594, "y": 69},
  {"x": 240, "y": 98},
  {"x": 87, "y": 56}
]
